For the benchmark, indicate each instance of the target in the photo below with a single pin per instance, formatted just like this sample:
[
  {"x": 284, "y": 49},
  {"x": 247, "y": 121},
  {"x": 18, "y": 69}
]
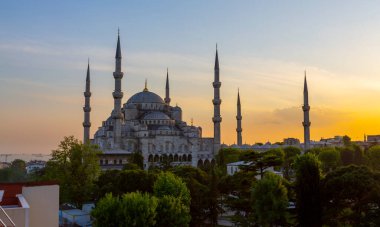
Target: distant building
[
  {"x": 4, "y": 165},
  {"x": 373, "y": 138},
  {"x": 291, "y": 142},
  {"x": 35, "y": 165},
  {"x": 234, "y": 167},
  {"x": 70, "y": 216},
  {"x": 29, "y": 204}
]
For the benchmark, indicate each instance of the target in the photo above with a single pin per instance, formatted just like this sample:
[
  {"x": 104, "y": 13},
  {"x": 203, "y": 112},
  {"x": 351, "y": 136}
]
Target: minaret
[
  {"x": 216, "y": 101},
  {"x": 117, "y": 96},
  {"x": 87, "y": 108},
  {"x": 167, "y": 94},
  {"x": 306, "y": 121},
  {"x": 238, "y": 119}
]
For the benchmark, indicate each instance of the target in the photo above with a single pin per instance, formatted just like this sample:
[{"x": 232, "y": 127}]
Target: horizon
[{"x": 263, "y": 51}]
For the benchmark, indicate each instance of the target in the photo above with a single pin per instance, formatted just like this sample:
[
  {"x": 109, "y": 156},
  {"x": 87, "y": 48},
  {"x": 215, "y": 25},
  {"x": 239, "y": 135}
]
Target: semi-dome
[
  {"x": 145, "y": 97},
  {"x": 156, "y": 115}
]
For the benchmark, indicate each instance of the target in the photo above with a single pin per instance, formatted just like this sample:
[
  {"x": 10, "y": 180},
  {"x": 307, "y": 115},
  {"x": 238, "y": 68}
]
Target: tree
[
  {"x": 374, "y": 157},
  {"x": 174, "y": 196},
  {"x": 346, "y": 140},
  {"x": 75, "y": 166},
  {"x": 121, "y": 182},
  {"x": 138, "y": 159},
  {"x": 347, "y": 155},
  {"x": 259, "y": 162},
  {"x": 132, "y": 209},
  {"x": 19, "y": 164},
  {"x": 307, "y": 190},
  {"x": 106, "y": 212},
  {"x": 138, "y": 209},
  {"x": 290, "y": 155},
  {"x": 236, "y": 190},
  {"x": 197, "y": 181},
  {"x": 169, "y": 184},
  {"x": 172, "y": 212},
  {"x": 330, "y": 159},
  {"x": 270, "y": 201},
  {"x": 351, "y": 197}
]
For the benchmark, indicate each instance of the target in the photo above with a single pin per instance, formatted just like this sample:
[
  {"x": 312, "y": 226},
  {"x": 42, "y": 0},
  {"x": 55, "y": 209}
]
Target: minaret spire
[
  {"x": 238, "y": 119},
  {"x": 87, "y": 108},
  {"x": 306, "y": 121},
  {"x": 117, "y": 96},
  {"x": 167, "y": 93},
  {"x": 216, "y": 101}
]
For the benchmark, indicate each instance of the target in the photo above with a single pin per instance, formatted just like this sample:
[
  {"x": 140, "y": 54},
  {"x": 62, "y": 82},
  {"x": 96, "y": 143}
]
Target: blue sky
[{"x": 264, "y": 48}]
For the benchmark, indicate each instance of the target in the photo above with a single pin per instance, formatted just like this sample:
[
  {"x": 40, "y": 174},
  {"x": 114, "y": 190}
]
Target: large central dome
[{"x": 145, "y": 97}]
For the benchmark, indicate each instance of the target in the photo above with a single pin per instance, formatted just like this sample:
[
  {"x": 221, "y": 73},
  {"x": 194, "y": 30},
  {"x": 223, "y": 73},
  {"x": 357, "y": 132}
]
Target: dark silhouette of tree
[{"x": 307, "y": 190}]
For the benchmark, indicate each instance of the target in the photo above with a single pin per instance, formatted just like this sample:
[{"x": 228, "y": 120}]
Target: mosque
[{"x": 150, "y": 125}]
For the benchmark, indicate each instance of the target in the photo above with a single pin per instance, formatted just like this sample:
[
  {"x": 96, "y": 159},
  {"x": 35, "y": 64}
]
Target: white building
[{"x": 32, "y": 204}]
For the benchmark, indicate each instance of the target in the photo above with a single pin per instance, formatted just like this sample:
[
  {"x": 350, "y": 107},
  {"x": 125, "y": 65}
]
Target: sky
[{"x": 264, "y": 48}]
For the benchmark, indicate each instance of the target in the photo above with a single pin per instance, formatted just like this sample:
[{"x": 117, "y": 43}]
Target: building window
[
  {"x": 120, "y": 161},
  {"x": 101, "y": 161},
  {"x": 106, "y": 162},
  {"x": 114, "y": 161}
]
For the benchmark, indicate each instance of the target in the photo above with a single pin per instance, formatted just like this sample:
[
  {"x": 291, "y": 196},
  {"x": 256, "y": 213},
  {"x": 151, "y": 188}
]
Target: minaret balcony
[
  {"x": 87, "y": 109},
  {"x": 118, "y": 75},
  {"x": 217, "y": 119},
  {"x": 239, "y": 130},
  {"x": 216, "y": 84},
  {"x": 117, "y": 94},
  {"x": 216, "y": 101},
  {"x": 86, "y": 124},
  {"x": 305, "y": 108},
  {"x": 306, "y": 124},
  {"x": 87, "y": 94},
  {"x": 239, "y": 118}
]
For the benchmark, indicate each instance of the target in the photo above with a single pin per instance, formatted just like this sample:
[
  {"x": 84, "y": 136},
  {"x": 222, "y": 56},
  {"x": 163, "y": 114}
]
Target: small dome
[
  {"x": 155, "y": 115},
  {"x": 145, "y": 97}
]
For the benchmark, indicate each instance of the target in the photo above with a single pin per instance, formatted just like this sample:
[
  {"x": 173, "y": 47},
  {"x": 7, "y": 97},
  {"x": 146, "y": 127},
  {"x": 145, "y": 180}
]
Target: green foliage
[
  {"x": 270, "y": 201},
  {"x": 260, "y": 161},
  {"x": 197, "y": 182},
  {"x": 132, "y": 209},
  {"x": 138, "y": 209},
  {"x": 236, "y": 191},
  {"x": 290, "y": 155},
  {"x": 374, "y": 157},
  {"x": 10, "y": 174},
  {"x": 307, "y": 190},
  {"x": 346, "y": 140},
  {"x": 351, "y": 197},
  {"x": 169, "y": 184},
  {"x": 347, "y": 155},
  {"x": 131, "y": 166},
  {"x": 172, "y": 212},
  {"x": 75, "y": 166},
  {"x": 121, "y": 182},
  {"x": 106, "y": 212},
  {"x": 330, "y": 159},
  {"x": 19, "y": 164},
  {"x": 138, "y": 159}
]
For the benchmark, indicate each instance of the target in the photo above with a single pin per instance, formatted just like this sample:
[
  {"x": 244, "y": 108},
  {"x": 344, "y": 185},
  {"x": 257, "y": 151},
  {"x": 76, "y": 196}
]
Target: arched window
[{"x": 150, "y": 159}]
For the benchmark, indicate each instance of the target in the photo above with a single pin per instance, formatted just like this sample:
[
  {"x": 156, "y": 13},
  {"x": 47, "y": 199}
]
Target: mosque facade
[{"x": 150, "y": 125}]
